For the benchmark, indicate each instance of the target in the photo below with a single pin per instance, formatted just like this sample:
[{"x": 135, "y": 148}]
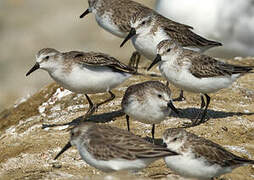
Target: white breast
[
  {"x": 186, "y": 165},
  {"x": 90, "y": 80},
  {"x": 106, "y": 22},
  {"x": 146, "y": 44},
  {"x": 182, "y": 78},
  {"x": 147, "y": 112}
]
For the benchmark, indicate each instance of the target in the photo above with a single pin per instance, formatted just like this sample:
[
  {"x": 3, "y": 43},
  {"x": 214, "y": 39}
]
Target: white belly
[
  {"x": 106, "y": 23},
  {"x": 183, "y": 79},
  {"x": 145, "y": 45},
  {"x": 147, "y": 112},
  {"x": 196, "y": 168},
  {"x": 113, "y": 164},
  {"x": 90, "y": 80}
]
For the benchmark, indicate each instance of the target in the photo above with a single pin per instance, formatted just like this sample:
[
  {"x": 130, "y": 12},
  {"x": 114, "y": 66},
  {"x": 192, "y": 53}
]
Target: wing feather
[
  {"x": 113, "y": 143},
  {"x": 99, "y": 60},
  {"x": 203, "y": 66}
]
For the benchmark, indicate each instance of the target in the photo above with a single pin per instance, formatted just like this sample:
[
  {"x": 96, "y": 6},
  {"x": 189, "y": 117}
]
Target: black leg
[
  {"x": 205, "y": 110},
  {"x": 180, "y": 97},
  {"x": 112, "y": 96},
  {"x": 134, "y": 60},
  {"x": 91, "y": 110},
  {"x": 153, "y": 129},
  {"x": 199, "y": 120},
  {"x": 92, "y": 107},
  {"x": 128, "y": 123},
  {"x": 137, "y": 61}
]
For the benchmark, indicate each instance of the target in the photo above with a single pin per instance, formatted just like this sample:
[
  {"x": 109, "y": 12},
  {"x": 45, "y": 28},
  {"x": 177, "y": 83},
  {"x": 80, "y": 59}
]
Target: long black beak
[
  {"x": 171, "y": 105},
  {"x": 130, "y": 35},
  {"x": 34, "y": 68},
  {"x": 67, "y": 146},
  {"x": 155, "y": 61},
  {"x": 85, "y": 13}
]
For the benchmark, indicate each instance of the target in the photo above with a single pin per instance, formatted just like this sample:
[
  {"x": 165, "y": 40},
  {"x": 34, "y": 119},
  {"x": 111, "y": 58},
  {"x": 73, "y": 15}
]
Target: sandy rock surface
[{"x": 27, "y": 150}]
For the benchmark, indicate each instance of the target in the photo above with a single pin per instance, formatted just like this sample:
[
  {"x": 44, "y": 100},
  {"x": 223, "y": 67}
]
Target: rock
[{"x": 27, "y": 150}]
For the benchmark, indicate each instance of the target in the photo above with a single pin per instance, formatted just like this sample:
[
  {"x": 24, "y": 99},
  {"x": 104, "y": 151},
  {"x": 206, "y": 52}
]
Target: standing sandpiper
[
  {"x": 149, "y": 28},
  {"x": 83, "y": 72},
  {"x": 195, "y": 72},
  {"x": 199, "y": 157},
  {"x": 112, "y": 149},
  {"x": 148, "y": 102},
  {"x": 114, "y": 16}
]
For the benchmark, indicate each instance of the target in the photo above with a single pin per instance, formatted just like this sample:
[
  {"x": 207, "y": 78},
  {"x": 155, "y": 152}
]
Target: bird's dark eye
[
  {"x": 159, "y": 95},
  {"x": 174, "y": 139},
  {"x": 168, "y": 50},
  {"x": 47, "y": 57},
  {"x": 72, "y": 133},
  {"x": 143, "y": 23}
]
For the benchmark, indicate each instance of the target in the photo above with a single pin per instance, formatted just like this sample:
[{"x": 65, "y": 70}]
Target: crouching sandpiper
[
  {"x": 148, "y": 102},
  {"x": 112, "y": 149},
  {"x": 199, "y": 157}
]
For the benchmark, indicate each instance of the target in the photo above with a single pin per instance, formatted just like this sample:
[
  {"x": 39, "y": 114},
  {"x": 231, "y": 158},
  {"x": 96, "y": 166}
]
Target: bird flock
[{"x": 178, "y": 52}]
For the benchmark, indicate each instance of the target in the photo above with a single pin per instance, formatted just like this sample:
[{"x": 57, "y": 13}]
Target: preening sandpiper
[
  {"x": 195, "y": 72},
  {"x": 112, "y": 149},
  {"x": 148, "y": 102},
  {"x": 83, "y": 72},
  {"x": 199, "y": 157}
]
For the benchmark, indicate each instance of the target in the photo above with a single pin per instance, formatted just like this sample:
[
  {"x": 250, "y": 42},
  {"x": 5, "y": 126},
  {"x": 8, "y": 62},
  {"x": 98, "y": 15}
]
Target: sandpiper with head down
[
  {"x": 111, "y": 149},
  {"x": 148, "y": 102},
  {"x": 195, "y": 72},
  {"x": 83, "y": 72},
  {"x": 148, "y": 29},
  {"x": 199, "y": 157}
]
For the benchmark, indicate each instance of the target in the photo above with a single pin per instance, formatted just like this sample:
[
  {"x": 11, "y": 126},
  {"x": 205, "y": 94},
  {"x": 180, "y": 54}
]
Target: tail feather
[
  {"x": 242, "y": 69},
  {"x": 203, "y": 41},
  {"x": 240, "y": 160}
]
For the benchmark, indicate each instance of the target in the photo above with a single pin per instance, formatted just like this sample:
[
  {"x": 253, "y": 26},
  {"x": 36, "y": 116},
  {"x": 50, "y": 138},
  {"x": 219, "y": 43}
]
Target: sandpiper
[
  {"x": 195, "y": 72},
  {"x": 149, "y": 28},
  {"x": 114, "y": 16},
  {"x": 112, "y": 149},
  {"x": 83, "y": 72},
  {"x": 199, "y": 157},
  {"x": 148, "y": 102}
]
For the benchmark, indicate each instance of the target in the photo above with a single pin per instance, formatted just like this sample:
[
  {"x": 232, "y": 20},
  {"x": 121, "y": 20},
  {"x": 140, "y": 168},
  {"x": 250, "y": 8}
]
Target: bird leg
[
  {"x": 92, "y": 107},
  {"x": 112, "y": 96},
  {"x": 198, "y": 120},
  {"x": 202, "y": 120},
  {"x": 91, "y": 110},
  {"x": 128, "y": 123},
  {"x": 134, "y": 60},
  {"x": 153, "y": 130},
  {"x": 180, "y": 97}
]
